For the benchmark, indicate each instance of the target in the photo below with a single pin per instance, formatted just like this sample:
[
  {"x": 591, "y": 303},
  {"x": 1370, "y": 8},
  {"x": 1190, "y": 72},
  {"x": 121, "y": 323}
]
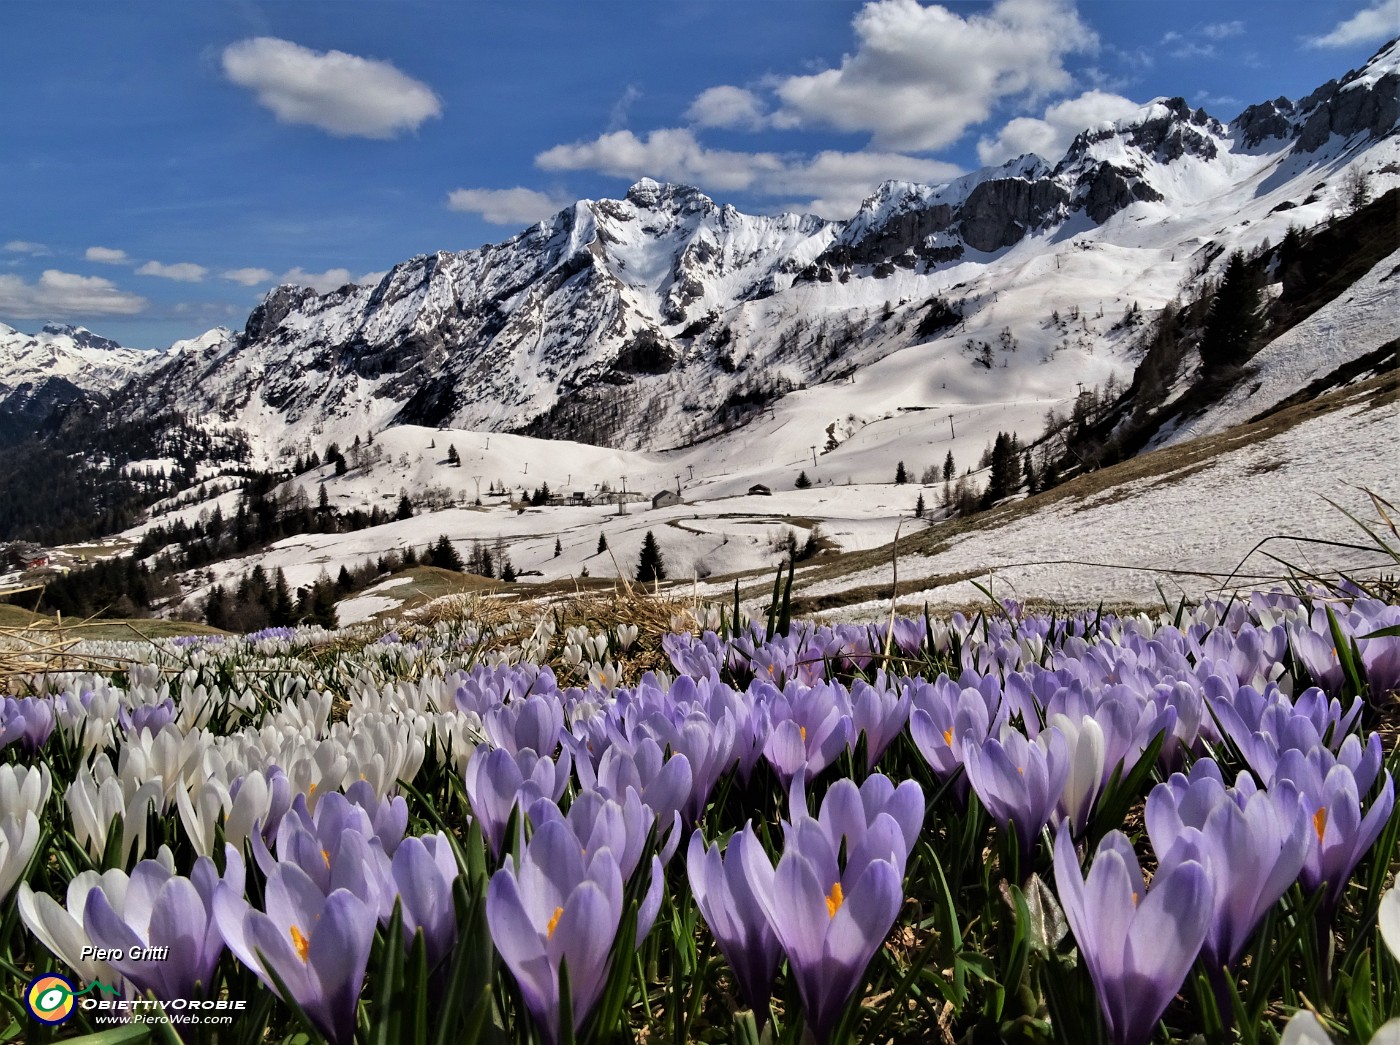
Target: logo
[{"x": 51, "y": 998}]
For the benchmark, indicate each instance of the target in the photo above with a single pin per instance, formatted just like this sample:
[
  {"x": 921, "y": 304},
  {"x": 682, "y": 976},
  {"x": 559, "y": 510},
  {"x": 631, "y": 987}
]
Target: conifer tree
[
  {"x": 949, "y": 468},
  {"x": 444, "y": 555},
  {"x": 602, "y": 543},
  {"x": 558, "y": 548},
  {"x": 900, "y": 475},
  {"x": 650, "y": 567},
  {"x": 919, "y": 506},
  {"x": 452, "y": 456},
  {"x": 405, "y": 510},
  {"x": 1233, "y": 323},
  {"x": 802, "y": 482}
]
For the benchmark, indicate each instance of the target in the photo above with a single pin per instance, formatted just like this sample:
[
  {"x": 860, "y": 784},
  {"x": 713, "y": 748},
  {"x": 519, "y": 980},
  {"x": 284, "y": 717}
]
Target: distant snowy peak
[
  {"x": 80, "y": 337},
  {"x": 86, "y": 360}
]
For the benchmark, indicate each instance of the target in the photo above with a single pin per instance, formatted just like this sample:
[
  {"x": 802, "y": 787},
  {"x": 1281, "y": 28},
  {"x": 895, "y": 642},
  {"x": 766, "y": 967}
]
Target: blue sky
[{"x": 165, "y": 163}]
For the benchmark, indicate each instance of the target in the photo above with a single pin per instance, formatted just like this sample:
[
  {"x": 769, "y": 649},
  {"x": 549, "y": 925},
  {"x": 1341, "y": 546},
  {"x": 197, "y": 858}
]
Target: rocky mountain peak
[{"x": 80, "y": 336}]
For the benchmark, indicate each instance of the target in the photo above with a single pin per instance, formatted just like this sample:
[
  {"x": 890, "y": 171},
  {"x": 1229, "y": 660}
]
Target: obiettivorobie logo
[{"x": 51, "y": 998}]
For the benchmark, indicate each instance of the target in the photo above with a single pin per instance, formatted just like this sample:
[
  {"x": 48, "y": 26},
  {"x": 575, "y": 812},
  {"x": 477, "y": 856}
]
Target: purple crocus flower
[
  {"x": 880, "y": 712},
  {"x": 496, "y": 780},
  {"x": 29, "y": 720},
  {"x": 662, "y": 783},
  {"x": 558, "y": 907},
  {"x": 424, "y": 870},
  {"x": 809, "y": 728},
  {"x": 1138, "y": 943},
  {"x": 152, "y": 717},
  {"x": 830, "y": 920},
  {"x": 388, "y": 816},
  {"x": 161, "y": 909},
  {"x": 849, "y": 814},
  {"x": 336, "y": 849},
  {"x": 1253, "y": 842},
  {"x": 537, "y": 723},
  {"x": 1331, "y": 793},
  {"x": 317, "y": 944},
  {"x": 1019, "y": 781},
  {"x": 731, "y": 910}
]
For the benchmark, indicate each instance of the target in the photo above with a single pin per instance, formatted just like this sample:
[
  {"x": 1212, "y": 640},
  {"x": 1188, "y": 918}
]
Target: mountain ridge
[{"x": 665, "y": 317}]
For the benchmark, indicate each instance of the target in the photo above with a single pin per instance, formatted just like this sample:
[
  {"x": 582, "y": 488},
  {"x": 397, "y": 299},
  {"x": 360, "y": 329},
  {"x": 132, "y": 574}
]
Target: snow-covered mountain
[
  {"x": 61, "y": 365},
  {"x": 663, "y": 318}
]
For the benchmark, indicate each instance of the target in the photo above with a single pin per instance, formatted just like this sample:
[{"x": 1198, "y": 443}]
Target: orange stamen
[
  {"x": 301, "y": 943},
  {"x": 553, "y": 923},
  {"x": 1320, "y": 822},
  {"x": 834, "y": 900}
]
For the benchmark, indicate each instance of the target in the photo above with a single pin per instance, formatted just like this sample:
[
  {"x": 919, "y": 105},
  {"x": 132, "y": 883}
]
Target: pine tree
[
  {"x": 802, "y": 482},
  {"x": 650, "y": 567},
  {"x": 452, "y": 456},
  {"x": 410, "y": 557},
  {"x": 919, "y": 506},
  {"x": 949, "y": 468},
  {"x": 344, "y": 582},
  {"x": 444, "y": 555},
  {"x": 558, "y": 548},
  {"x": 1030, "y": 475},
  {"x": 900, "y": 475},
  {"x": 602, "y": 544},
  {"x": 1233, "y": 323},
  {"x": 508, "y": 572},
  {"x": 1005, "y": 475},
  {"x": 280, "y": 610},
  {"x": 405, "y": 510}
]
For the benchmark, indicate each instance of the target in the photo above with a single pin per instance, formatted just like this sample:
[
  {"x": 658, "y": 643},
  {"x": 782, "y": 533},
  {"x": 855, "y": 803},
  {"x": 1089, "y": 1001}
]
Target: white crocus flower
[
  {"x": 199, "y": 812},
  {"x": 1085, "y": 741},
  {"x": 93, "y": 806},
  {"x": 1306, "y": 1029},
  {"x": 1390, "y": 921},
  {"x": 19, "y": 837},
  {"x": 61, "y": 929},
  {"x": 24, "y": 790},
  {"x": 604, "y": 675},
  {"x": 169, "y": 756}
]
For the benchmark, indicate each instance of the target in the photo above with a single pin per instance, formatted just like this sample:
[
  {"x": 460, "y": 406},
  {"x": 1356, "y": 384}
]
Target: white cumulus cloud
[
  {"x": 1049, "y": 135},
  {"x": 727, "y": 106},
  {"x": 839, "y": 181},
  {"x": 107, "y": 255},
  {"x": 249, "y": 277},
  {"x": 515, "y": 206},
  {"x": 1377, "y": 22},
  {"x": 920, "y": 76},
  {"x": 24, "y": 246},
  {"x": 836, "y": 181},
  {"x": 181, "y": 271},
  {"x": 343, "y": 94},
  {"x": 668, "y": 154},
  {"x": 57, "y": 294}
]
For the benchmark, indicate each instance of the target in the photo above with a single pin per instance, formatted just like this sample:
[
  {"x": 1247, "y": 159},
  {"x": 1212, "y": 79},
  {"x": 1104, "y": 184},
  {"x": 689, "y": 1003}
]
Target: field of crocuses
[{"x": 1015, "y": 827}]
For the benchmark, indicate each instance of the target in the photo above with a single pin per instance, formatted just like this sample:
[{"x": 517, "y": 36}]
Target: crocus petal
[
  {"x": 338, "y": 954},
  {"x": 1389, "y": 918}
]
